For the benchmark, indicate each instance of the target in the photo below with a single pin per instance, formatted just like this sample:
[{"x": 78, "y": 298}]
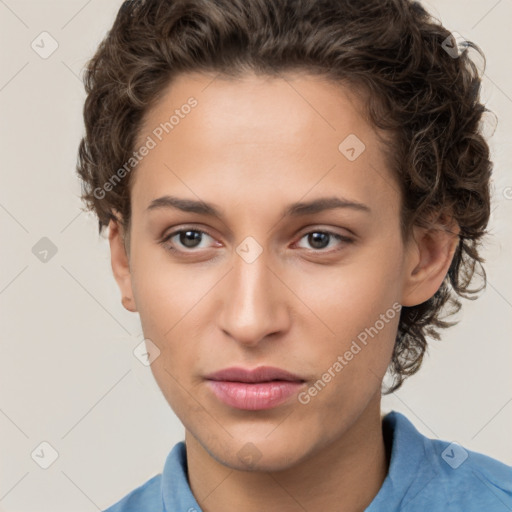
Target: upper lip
[{"x": 260, "y": 374}]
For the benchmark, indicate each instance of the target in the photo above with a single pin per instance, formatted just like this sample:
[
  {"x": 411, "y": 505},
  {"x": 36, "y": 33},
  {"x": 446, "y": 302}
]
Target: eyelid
[{"x": 317, "y": 228}]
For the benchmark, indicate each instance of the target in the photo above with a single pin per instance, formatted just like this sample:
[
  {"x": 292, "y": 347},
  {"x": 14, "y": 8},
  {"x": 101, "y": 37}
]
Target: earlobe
[
  {"x": 121, "y": 264},
  {"x": 428, "y": 258},
  {"x": 129, "y": 304}
]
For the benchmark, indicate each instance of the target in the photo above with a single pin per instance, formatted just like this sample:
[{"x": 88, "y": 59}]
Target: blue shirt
[{"x": 424, "y": 475}]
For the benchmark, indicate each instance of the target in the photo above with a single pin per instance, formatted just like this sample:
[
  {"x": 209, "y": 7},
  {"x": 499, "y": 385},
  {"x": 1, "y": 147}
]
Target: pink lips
[{"x": 262, "y": 388}]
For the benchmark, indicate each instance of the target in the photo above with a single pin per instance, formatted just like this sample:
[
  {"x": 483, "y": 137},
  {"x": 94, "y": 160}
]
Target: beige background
[{"x": 67, "y": 372}]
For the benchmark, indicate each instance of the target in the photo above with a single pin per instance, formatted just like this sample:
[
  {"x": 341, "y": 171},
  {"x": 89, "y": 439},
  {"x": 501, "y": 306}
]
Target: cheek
[
  {"x": 349, "y": 368},
  {"x": 351, "y": 298},
  {"x": 359, "y": 303},
  {"x": 166, "y": 293},
  {"x": 169, "y": 299},
  {"x": 173, "y": 303}
]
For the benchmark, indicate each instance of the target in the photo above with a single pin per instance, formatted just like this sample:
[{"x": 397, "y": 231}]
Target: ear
[
  {"x": 429, "y": 254},
  {"x": 121, "y": 264}
]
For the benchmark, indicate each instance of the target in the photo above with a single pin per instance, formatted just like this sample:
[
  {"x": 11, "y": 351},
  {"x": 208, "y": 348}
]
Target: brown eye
[
  {"x": 190, "y": 238},
  {"x": 185, "y": 239},
  {"x": 319, "y": 240}
]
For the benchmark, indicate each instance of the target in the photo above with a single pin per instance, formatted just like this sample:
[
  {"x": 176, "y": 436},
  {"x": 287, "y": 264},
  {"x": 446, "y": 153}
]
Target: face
[{"x": 265, "y": 233}]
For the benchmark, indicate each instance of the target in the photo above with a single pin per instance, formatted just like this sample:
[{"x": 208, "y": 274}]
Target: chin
[{"x": 258, "y": 455}]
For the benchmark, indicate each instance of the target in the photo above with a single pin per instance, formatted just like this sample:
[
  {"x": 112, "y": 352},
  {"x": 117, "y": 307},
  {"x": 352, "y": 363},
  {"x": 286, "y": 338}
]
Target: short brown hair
[{"x": 417, "y": 89}]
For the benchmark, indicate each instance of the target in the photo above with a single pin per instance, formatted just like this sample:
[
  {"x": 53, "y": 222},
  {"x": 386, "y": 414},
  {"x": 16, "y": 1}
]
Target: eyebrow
[{"x": 293, "y": 210}]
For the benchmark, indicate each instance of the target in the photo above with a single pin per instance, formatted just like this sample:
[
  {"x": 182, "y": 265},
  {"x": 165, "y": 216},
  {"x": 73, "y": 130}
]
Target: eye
[
  {"x": 185, "y": 238},
  {"x": 319, "y": 240}
]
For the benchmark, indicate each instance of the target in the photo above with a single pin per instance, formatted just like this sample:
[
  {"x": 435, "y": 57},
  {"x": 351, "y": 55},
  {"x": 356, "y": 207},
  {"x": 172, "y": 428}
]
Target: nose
[{"x": 254, "y": 302}]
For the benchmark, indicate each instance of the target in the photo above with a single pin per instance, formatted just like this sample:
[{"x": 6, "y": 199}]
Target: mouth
[{"x": 261, "y": 388}]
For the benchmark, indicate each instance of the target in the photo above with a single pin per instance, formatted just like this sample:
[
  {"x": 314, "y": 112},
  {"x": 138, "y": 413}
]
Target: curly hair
[{"x": 418, "y": 86}]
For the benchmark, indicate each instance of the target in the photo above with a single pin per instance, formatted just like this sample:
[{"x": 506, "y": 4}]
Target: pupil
[
  {"x": 315, "y": 238},
  {"x": 187, "y": 238}
]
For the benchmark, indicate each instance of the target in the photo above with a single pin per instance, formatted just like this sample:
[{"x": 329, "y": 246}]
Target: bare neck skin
[{"x": 345, "y": 476}]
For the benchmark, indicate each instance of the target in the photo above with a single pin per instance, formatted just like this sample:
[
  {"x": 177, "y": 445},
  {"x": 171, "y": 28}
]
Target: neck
[{"x": 343, "y": 476}]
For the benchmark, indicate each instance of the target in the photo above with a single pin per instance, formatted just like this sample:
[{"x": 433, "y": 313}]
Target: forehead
[
  {"x": 304, "y": 99},
  {"x": 260, "y": 134},
  {"x": 253, "y": 109}
]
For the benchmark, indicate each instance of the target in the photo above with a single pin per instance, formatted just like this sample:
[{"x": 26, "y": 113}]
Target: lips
[
  {"x": 264, "y": 387},
  {"x": 260, "y": 374}
]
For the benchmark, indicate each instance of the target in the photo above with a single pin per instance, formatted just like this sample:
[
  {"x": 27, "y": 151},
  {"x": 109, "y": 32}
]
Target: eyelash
[{"x": 168, "y": 246}]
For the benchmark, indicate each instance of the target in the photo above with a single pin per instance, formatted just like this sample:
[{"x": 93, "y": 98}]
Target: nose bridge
[{"x": 253, "y": 306}]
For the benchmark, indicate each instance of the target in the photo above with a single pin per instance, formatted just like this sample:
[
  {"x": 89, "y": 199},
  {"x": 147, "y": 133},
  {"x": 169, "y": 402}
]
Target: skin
[{"x": 252, "y": 146}]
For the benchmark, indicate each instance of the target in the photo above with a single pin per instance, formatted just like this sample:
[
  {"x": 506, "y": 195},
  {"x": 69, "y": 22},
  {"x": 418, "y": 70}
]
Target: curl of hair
[{"x": 390, "y": 51}]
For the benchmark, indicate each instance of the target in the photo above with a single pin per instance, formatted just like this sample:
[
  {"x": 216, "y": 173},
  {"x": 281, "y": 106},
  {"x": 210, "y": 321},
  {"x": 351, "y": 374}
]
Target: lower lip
[{"x": 256, "y": 396}]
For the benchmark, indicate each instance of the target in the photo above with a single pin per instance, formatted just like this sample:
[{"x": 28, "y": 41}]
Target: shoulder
[
  {"x": 147, "y": 496},
  {"x": 468, "y": 480},
  {"x": 450, "y": 477}
]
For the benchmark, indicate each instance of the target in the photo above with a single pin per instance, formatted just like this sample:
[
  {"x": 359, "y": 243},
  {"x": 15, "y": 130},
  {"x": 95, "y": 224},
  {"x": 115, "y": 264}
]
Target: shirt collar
[
  {"x": 407, "y": 474},
  {"x": 400, "y": 485},
  {"x": 176, "y": 492}
]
